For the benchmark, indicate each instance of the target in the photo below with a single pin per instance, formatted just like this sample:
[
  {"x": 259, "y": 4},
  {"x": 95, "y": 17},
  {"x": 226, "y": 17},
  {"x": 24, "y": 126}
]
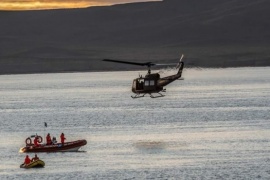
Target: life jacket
[
  {"x": 62, "y": 138},
  {"x": 49, "y": 140},
  {"x": 36, "y": 142},
  {"x": 27, "y": 160}
]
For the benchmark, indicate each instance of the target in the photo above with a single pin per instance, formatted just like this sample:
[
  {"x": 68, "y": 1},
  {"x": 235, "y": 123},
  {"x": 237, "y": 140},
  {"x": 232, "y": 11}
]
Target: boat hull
[
  {"x": 59, "y": 147},
  {"x": 35, "y": 164}
]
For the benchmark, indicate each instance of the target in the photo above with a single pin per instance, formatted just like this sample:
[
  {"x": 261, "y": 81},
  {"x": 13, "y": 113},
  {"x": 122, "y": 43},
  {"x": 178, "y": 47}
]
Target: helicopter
[{"x": 152, "y": 82}]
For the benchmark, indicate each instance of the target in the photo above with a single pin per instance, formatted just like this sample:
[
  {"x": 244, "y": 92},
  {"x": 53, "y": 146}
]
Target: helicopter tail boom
[
  {"x": 181, "y": 67},
  {"x": 167, "y": 80}
]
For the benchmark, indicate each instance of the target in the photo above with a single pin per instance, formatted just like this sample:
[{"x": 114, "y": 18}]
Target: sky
[{"x": 57, "y": 4}]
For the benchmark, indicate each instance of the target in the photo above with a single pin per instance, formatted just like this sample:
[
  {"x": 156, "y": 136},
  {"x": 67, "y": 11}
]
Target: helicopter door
[
  {"x": 149, "y": 84},
  {"x": 146, "y": 83}
]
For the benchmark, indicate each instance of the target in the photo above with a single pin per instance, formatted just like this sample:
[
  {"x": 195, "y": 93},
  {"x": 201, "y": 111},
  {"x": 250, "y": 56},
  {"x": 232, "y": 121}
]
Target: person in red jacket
[
  {"x": 27, "y": 160},
  {"x": 36, "y": 141},
  {"x": 62, "y": 137},
  {"x": 49, "y": 140}
]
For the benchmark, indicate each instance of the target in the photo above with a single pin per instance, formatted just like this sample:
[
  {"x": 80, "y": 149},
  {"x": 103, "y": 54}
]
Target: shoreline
[{"x": 104, "y": 71}]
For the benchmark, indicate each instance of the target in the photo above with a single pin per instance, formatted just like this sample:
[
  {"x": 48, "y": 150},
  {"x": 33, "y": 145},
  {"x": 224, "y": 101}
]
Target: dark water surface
[{"x": 213, "y": 125}]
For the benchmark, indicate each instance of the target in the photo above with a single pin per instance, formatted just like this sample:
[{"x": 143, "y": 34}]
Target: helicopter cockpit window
[
  {"x": 140, "y": 84},
  {"x": 152, "y": 82}
]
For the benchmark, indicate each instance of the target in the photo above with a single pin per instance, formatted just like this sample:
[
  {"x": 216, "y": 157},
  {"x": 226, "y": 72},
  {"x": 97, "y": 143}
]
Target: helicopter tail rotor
[{"x": 180, "y": 66}]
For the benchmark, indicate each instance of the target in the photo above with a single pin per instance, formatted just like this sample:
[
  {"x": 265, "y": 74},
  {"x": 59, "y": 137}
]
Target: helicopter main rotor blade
[
  {"x": 169, "y": 64},
  {"x": 133, "y": 63}
]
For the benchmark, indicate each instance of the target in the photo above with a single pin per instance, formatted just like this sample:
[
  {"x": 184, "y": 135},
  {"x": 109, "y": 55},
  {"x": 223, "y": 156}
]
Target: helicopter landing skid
[
  {"x": 160, "y": 95},
  {"x": 138, "y": 96}
]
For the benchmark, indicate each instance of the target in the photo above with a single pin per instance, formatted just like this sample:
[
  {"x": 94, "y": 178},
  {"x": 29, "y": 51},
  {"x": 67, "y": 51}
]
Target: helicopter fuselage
[
  {"x": 148, "y": 84},
  {"x": 151, "y": 83}
]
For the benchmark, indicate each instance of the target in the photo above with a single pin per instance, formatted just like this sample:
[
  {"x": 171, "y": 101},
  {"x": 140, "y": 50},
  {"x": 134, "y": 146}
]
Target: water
[{"x": 213, "y": 125}]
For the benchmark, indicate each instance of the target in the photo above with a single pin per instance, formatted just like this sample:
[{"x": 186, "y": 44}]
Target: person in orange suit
[
  {"x": 49, "y": 140},
  {"x": 62, "y": 137},
  {"x": 27, "y": 160}
]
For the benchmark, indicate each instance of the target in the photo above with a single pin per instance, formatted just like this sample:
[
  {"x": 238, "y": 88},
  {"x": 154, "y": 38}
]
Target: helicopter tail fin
[{"x": 180, "y": 66}]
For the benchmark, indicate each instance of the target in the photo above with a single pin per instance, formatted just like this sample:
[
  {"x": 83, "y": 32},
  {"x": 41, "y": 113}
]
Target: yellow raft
[{"x": 35, "y": 164}]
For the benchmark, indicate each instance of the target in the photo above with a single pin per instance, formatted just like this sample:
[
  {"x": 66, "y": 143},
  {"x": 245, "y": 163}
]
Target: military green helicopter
[{"x": 151, "y": 83}]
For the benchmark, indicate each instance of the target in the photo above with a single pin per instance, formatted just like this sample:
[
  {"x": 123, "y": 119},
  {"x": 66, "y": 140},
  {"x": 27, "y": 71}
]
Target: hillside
[{"x": 211, "y": 33}]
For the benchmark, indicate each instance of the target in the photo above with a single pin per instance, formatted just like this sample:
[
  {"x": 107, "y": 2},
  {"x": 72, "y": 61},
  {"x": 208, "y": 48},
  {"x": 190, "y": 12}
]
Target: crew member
[
  {"x": 62, "y": 137},
  {"x": 49, "y": 140},
  {"x": 54, "y": 140},
  {"x": 36, "y": 141},
  {"x": 35, "y": 158},
  {"x": 27, "y": 160}
]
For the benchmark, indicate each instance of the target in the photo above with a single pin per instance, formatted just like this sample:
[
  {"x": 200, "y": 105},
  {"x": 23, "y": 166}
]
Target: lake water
[{"x": 213, "y": 125}]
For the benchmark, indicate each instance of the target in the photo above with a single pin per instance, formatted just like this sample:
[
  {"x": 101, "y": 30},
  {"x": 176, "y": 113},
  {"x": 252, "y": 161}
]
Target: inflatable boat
[
  {"x": 35, "y": 164},
  {"x": 72, "y": 146}
]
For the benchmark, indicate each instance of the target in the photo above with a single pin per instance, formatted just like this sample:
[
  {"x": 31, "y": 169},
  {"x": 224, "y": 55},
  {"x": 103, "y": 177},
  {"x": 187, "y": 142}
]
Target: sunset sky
[{"x": 56, "y": 4}]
